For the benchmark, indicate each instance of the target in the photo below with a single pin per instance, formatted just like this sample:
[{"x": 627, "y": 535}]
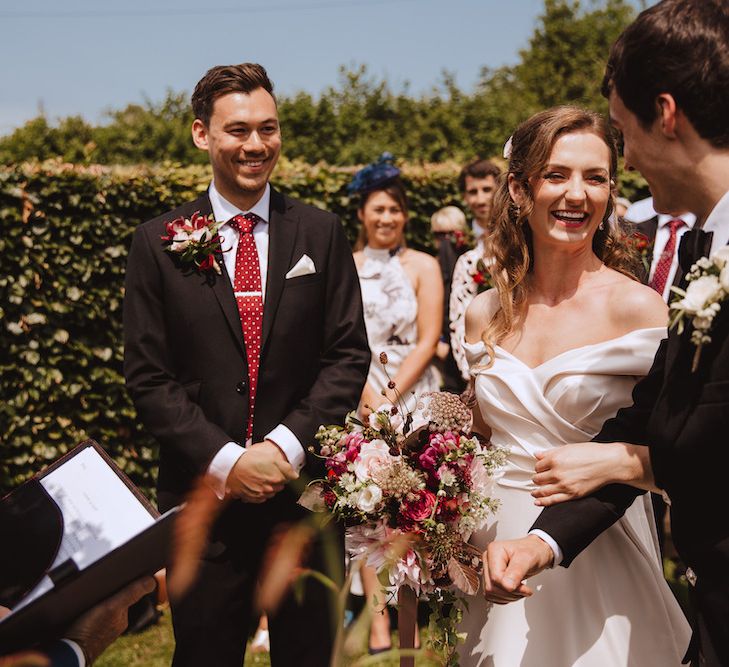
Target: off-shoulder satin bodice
[{"x": 563, "y": 400}]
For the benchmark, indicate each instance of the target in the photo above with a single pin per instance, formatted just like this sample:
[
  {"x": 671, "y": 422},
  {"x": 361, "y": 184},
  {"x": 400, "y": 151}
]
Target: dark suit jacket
[
  {"x": 683, "y": 417},
  {"x": 185, "y": 361}
]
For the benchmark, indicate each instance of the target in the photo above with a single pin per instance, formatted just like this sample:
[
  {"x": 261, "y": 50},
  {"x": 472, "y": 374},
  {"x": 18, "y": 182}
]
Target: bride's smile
[{"x": 572, "y": 191}]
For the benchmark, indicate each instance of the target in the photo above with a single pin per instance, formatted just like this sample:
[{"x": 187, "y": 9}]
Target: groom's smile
[{"x": 243, "y": 141}]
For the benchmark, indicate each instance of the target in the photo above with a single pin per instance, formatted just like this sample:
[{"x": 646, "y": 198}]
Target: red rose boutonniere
[
  {"x": 482, "y": 277},
  {"x": 195, "y": 240}
]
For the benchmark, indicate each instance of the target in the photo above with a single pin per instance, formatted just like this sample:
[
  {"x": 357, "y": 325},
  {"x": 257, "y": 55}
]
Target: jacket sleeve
[
  {"x": 345, "y": 354},
  {"x": 162, "y": 403},
  {"x": 576, "y": 523}
]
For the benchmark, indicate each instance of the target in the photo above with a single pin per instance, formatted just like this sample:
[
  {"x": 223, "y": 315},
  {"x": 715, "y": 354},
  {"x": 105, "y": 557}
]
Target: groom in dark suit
[
  {"x": 233, "y": 361},
  {"x": 667, "y": 81}
]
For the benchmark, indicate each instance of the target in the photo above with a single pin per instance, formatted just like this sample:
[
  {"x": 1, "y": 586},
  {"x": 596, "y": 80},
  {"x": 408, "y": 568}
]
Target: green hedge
[{"x": 65, "y": 232}]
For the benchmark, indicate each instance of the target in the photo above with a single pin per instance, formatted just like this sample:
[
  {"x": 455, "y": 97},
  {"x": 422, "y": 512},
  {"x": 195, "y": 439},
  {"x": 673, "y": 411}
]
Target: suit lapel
[
  {"x": 221, "y": 284},
  {"x": 649, "y": 228},
  {"x": 283, "y": 227}
]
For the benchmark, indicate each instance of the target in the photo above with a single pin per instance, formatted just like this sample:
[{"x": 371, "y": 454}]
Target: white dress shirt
[
  {"x": 716, "y": 222},
  {"x": 225, "y": 459}
]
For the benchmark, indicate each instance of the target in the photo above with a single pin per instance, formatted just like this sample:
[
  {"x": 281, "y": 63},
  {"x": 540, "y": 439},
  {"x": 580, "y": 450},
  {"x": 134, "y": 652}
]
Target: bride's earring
[{"x": 602, "y": 225}]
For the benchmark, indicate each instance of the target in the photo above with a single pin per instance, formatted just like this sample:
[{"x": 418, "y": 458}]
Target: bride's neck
[{"x": 557, "y": 273}]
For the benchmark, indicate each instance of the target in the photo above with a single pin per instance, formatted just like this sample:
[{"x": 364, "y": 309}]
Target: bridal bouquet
[{"x": 411, "y": 488}]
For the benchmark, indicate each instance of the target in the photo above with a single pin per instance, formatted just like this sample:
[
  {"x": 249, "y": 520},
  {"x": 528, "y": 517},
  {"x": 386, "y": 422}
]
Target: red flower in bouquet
[
  {"x": 419, "y": 508},
  {"x": 195, "y": 240}
]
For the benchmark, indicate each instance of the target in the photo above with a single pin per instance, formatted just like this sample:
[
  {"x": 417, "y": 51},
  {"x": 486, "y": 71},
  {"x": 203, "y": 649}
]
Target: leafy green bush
[{"x": 65, "y": 234}]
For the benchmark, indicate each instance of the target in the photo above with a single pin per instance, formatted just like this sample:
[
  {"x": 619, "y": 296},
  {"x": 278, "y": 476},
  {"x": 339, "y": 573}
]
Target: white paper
[{"x": 99, "y": 512}]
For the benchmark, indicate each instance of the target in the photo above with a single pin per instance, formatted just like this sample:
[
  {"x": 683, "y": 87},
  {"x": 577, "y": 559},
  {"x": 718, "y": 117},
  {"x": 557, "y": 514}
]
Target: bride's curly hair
[{"x": 509, "y": 245}]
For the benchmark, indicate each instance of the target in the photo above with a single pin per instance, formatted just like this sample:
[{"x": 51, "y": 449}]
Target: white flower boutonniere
[{"x": 707, "y": 289}]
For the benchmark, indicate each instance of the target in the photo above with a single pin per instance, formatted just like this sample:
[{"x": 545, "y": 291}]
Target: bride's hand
[{"x": 573, "y": 471}]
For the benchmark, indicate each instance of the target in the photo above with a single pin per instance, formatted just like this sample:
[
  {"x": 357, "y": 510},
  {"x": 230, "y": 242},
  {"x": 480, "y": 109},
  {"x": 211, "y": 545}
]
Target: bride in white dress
[{"x": 555, "y": 352}]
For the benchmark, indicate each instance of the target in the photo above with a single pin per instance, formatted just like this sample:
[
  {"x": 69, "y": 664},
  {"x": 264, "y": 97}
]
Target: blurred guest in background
[
  {"x": 477, "y": 181},
  {"x": 452, "y": 239}
]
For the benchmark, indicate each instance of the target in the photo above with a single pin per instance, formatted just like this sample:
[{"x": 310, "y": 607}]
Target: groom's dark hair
[
  {"x": 679, "y": 47},
  {"x": 224, "y": 79}
]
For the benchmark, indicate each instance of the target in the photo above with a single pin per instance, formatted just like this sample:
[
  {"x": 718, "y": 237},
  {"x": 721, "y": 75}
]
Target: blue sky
[{"x": 85, "y": 56}]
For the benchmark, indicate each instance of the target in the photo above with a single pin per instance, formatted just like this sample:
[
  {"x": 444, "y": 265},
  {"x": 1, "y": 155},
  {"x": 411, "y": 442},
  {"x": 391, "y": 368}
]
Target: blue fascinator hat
[{"x": 375, "y": 175}]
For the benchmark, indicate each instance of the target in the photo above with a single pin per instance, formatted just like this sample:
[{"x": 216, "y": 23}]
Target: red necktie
[
  {"x": 248, "y": 295},
  {"x": 663, "y": 268}
]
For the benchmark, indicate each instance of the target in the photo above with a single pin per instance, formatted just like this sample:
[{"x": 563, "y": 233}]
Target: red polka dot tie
[
  {"x": 248, "y": 295},
  {"x": 663, "y": 268}
]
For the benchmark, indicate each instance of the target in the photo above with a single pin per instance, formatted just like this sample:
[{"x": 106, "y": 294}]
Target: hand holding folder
[{"x": 72, "y": 537}]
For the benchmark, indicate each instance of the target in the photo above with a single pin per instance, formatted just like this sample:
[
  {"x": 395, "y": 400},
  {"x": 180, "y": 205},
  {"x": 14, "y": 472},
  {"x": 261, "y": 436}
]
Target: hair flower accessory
[
  {"x": 507, "y": 148},
  {"x": 195, "y": 240},
  {"x": 374, "y": 175}
]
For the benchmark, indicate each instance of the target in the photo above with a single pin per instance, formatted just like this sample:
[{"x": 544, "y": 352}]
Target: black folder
[{"x": 31, "y": 529}]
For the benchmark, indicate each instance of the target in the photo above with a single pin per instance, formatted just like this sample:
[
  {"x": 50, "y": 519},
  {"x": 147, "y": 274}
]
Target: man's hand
[
  {"x": 576, "y": 470},
  {"x": 102, "y": 624},
  {"x": 260, "y": 473},
  {"x": 506, "y": 564},
  {"x": 370, "y": 401}
]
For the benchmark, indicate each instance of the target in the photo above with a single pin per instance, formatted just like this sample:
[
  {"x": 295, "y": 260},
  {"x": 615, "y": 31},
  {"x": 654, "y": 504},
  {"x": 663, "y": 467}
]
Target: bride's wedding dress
[{"x": 611, "y": 607}]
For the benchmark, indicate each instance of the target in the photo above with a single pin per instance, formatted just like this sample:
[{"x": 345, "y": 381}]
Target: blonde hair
[
  {"x": 509, "y": 243},
  {"x": 448, "y": 219}
]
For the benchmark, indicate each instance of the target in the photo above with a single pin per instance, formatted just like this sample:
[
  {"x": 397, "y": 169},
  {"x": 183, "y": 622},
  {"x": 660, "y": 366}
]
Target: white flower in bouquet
[
  {"x": 348, "y": 482},
  {"x": 369, "y": 498}
]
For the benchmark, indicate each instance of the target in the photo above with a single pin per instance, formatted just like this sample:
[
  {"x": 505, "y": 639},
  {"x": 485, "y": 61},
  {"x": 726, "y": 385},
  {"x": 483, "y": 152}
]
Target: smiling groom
[{"x": 233, "y": 364}]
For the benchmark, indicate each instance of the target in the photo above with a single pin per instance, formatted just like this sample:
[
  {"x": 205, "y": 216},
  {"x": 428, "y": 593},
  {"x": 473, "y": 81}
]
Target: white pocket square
[{"x": 303, "y": 267}]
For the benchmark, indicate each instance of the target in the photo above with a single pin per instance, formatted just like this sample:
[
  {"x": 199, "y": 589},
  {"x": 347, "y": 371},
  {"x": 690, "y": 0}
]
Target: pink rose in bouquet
[{"x": 372, "y": 457}]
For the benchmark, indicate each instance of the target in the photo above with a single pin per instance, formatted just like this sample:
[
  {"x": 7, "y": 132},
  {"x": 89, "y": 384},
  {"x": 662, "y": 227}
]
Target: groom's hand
[
  {"x": 506, "y": 564},
  {"x": 260, "y": 473}
]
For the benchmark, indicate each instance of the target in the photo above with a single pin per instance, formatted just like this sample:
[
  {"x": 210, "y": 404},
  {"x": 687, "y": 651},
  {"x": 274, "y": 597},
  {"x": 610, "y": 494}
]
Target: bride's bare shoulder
[
  {"x": 637, "y": 306},
  {"x": 479, "y": 313}
]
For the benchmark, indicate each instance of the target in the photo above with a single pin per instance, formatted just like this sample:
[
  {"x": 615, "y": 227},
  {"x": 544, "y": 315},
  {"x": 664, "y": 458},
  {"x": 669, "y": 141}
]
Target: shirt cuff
[
  {"x": 289, "y": 444},
  {"x": 77, "y": 650},
  {"x": 551, "y": 543},
  {"x": 222, "y": 464}
]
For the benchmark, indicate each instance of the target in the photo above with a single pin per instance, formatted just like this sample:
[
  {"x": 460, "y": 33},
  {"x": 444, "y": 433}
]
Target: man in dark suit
[
  {"x": 667, "y": 81},
  {"x": 234, "y": 361}
]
